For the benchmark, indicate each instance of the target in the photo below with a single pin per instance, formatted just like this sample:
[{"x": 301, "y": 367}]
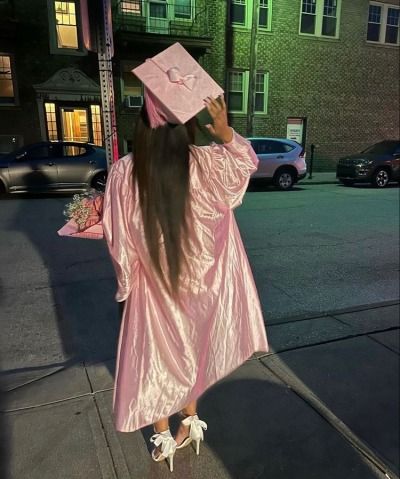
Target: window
[
  {"x": 264, "y": 14},
  {"x": 51, "y": 121},
  {"x": 383, "y": 23},
  {"x": 66, "y": 25},
  {"x": 237, "y": 91},
  {"x": 73, "y": 150},
  {"x": 7, "y": 95},
  {"x": 320, "y": 18},
  {"x": 42, "y": 151},
  {"x": 96, "y": 125},
  {"x": 260, "y": 100},
  {"x": 238, "y": 12},
  {"x": 183, "y": 9},
  {"x": 131, "y": 7},
  {"x": 132, "y": 89}
]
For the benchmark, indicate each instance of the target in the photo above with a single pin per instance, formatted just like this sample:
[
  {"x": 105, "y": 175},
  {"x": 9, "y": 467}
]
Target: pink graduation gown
[{"x": 169, "y": 354}]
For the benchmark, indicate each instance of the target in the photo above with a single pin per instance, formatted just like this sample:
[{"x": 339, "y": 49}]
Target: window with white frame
[
  {"x": 320, "y": 18},
  {"x": 264, "y": 14},
  {"x": 66, "y": 25},
  {"x": 238, "y": 12},
  {"x": 7, "y": 93},
  {"x": 261, "y": 93},
  {"x": 383, "y": 23},
  {"x": 238, "y": 87},
  {"x": 183, "y": 9}
]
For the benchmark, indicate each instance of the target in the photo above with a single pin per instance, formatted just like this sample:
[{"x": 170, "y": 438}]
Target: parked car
[
  {"x": 53, "y": 166},
  {"x": 379, "y": 164},
  {"x": 282, "y": 161}
]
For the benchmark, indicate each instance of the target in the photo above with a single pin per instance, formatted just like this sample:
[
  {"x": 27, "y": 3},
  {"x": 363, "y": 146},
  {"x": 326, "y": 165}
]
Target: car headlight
[{"x": 364, "y": 162}]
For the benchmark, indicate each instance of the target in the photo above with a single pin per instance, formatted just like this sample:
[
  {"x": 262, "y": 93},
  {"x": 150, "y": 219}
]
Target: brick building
[{"x": 322, "y": 71}]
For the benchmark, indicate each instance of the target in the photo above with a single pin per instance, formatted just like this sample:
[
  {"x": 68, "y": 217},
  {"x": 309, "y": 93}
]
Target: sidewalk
[
  {"x": 320, "y": 178},
  {"x": 323, "y": 404}
]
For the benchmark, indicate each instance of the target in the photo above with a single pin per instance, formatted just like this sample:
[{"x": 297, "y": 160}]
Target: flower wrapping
[
  {"x": 84, "y": 215},
  {"x": 178, "y": 83}
]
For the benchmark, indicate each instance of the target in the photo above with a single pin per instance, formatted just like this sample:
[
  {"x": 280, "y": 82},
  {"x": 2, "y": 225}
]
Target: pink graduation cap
[{"x": 175, "y": 86}]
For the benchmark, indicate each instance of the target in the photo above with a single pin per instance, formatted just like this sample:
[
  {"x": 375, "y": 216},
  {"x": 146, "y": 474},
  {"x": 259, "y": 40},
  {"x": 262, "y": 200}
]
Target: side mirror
[{"x": 20, "y": 156}]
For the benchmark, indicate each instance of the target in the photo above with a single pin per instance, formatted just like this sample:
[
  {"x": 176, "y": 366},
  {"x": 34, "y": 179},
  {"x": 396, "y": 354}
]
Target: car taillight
[{"x": 302, "y": 154}]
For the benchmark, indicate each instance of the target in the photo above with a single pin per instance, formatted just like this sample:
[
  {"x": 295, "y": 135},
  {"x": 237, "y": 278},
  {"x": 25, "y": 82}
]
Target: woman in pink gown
[{"x": 192, "y": 313}]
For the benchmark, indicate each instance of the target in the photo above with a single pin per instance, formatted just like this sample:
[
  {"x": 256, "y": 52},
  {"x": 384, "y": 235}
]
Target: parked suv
[
  {"x": 282, "y": 161},
  {"x": 379, "y": 164},
  {"x": 53, "y": 166}
]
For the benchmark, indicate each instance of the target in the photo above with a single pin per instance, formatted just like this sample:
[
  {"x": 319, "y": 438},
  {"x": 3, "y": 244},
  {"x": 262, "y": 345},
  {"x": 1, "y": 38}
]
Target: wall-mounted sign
[{"x": 294, "y": 131}]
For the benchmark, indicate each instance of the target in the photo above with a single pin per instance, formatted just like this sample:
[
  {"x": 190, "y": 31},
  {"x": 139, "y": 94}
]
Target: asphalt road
[{"x": 314, "y": 249}]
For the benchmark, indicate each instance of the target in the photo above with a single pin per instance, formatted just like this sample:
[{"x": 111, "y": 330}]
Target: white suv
[{"x": 282, "y": 161}]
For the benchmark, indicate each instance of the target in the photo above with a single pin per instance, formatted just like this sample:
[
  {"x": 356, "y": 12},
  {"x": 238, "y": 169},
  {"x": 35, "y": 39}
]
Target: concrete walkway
[{"x": 322, "y": 405}]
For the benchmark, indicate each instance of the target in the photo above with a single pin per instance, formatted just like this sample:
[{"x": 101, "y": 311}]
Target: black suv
[{"x": 379, "y": 164}]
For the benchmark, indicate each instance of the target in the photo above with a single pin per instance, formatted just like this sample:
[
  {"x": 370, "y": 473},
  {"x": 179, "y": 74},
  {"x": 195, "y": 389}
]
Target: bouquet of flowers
[{"x": 84, "y": 215}]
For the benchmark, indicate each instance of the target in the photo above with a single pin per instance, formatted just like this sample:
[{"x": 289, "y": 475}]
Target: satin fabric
[{"x": 168, "y": 353}]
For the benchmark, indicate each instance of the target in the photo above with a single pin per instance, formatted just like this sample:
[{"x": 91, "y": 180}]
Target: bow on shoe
[
  {"x": 196, "y": 427},
  {"x": 167, "y": 442}
]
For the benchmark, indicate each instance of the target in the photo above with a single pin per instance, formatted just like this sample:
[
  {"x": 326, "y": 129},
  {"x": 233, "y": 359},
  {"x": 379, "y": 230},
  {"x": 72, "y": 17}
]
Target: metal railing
[{"x": 164, "y": 17}]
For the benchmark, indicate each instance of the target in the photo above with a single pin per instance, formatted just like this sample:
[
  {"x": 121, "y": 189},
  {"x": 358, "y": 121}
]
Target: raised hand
[{"x": 219, "y": 128}]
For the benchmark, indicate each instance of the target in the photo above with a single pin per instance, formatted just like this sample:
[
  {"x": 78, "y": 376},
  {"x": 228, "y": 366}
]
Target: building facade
[{"x": 324, "y": 72}]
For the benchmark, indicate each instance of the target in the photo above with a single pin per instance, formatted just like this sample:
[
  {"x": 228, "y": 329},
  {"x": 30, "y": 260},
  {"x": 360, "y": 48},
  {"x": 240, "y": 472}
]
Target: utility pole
[
  {"x": 253, "y": 68},
  {"x": 105, "y": 53}
]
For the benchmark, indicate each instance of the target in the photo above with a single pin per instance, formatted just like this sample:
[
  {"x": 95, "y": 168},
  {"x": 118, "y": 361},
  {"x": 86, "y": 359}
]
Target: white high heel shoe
[
  {"x": 196, "y": 433},
  {"x": 167, "y": 447}
]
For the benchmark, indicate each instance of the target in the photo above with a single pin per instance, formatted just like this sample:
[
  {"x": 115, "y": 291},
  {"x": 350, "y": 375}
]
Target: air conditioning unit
[{"x": 134, "y": 101}]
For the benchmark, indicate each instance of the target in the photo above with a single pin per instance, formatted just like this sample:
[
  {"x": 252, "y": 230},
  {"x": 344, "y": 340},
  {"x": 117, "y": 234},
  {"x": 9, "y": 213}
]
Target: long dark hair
[{"x": 161, "y": 169}]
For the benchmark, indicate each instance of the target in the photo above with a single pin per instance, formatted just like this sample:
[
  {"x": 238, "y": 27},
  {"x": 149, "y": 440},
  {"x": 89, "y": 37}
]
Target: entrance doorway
[{"x": 75, "y": 126}]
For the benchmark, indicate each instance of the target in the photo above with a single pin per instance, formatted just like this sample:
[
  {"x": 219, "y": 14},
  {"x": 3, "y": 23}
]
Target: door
[
  {"x": 76, "y": 165},
  {"x": 35, "y": 168},
  {"x": 75, "y": 125},
  {"x": 158, "y": 16}
]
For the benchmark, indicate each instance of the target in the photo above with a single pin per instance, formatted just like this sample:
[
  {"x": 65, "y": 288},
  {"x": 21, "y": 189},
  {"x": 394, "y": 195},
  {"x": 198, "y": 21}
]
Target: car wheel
[
  {"x": 284, "y": 179},
  {"x": 99, "y": 181},
  {"x": 347, "y": 182},
  {"x": 381, "y": 178}
]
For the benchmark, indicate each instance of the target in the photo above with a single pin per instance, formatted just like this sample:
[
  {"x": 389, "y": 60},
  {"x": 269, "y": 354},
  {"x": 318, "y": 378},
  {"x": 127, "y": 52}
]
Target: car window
[
  {"x": 287, "y": 147},
  {"x": 382, "y": 148},
  {"x": 41, "y": 151},
  {"x": 73, "y": 150},
  {"x": 277, "y": 147}
]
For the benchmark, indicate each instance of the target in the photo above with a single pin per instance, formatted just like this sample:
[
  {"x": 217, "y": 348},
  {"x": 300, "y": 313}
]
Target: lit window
[
  {"x": 51, "y": 121},
  {"x": 6, "y": 81},
  {"x": 131, "y": 7},
  {"x": 237, "y": 91},
  {"x": 260, "y": 101},
  {"x": 320, "y": 17},
  {"x": 238, "y": 12},
  {"x": 66, "y": 25},
  {"x": 263, "y": 17},
  {"x": 96, "y": 125},
  {"x": 383, "y": 23}
]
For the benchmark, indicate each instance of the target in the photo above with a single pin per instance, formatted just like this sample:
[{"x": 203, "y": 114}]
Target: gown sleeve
[
  {"x": 117, "y": 211},
  {"x": 228, "y": 170}
]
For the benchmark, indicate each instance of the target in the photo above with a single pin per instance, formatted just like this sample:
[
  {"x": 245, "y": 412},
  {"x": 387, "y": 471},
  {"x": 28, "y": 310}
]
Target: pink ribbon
[{"x": 175, "y": 76}]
